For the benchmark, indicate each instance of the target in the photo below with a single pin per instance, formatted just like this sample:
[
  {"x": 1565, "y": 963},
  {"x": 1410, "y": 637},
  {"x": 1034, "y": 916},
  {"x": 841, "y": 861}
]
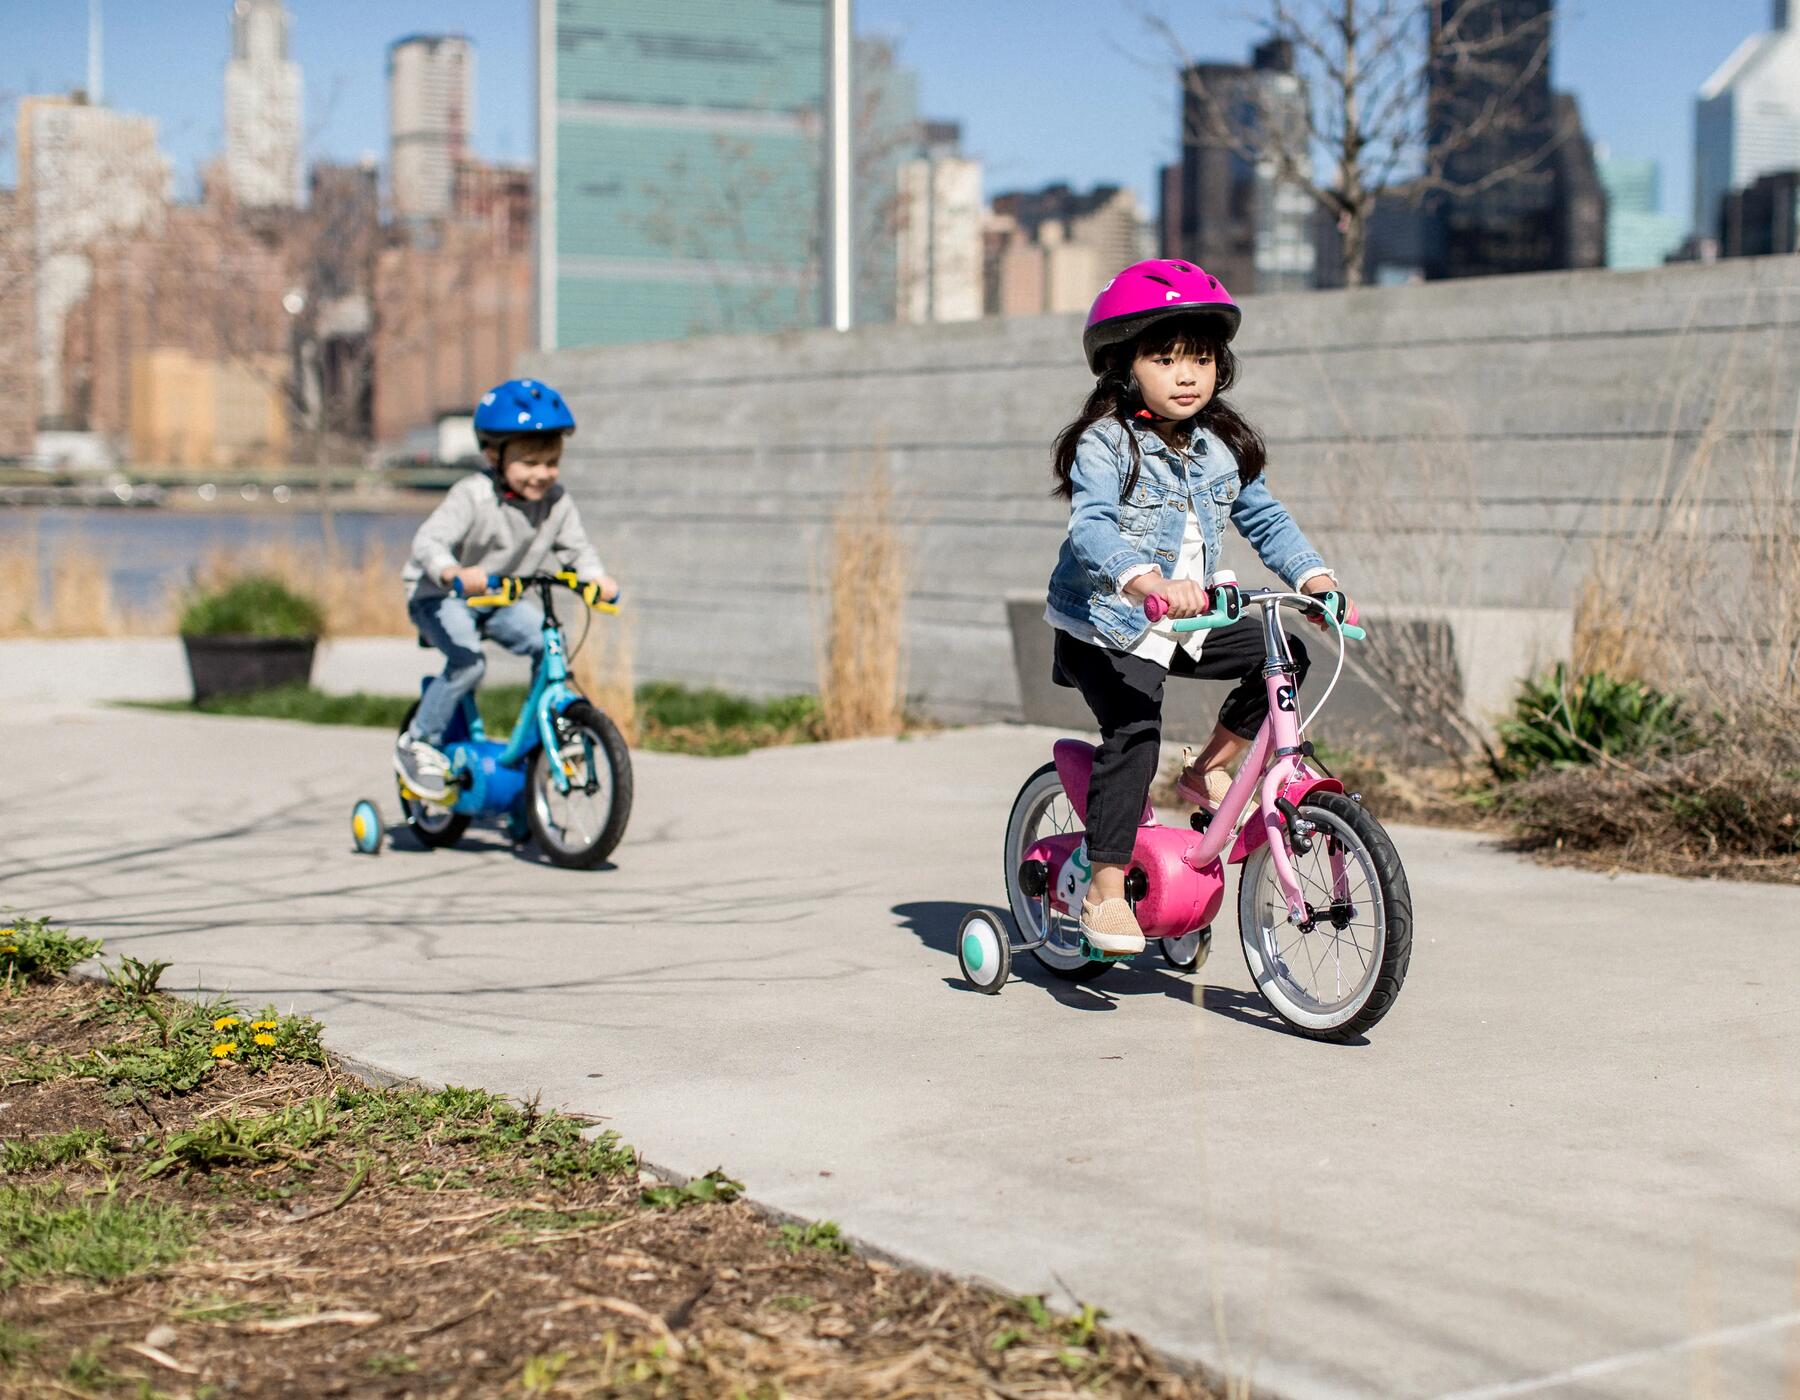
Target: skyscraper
[
  {"x": 939, "y": 231},
  {"x": 431, "y": 110},
  {"x": 1747, "y": 118},
  {"x": 262, "y": 107},
  {"x": 680, "y": 171},
  {"x": 1524, "y": 193},
  {"x": 1509, "y": 226},
  {"x": 1638, "y": 233},
  {"x": 1224, "y": 207},
  {"x": 885, "y": 108},
  {"x": 84, "y": 172}
]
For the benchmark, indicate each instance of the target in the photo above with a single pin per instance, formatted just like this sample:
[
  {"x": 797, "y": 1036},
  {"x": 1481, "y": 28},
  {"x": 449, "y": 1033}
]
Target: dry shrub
[
  {"x": 1696, "y": 593},
  {"x": 860, "y": 688},
  {"x": 1729, "y": 807},
  {"x": 604, "y": 670}
]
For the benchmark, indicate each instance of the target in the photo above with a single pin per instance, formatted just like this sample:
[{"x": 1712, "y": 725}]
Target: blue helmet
[{"x": 520, "y": 406}]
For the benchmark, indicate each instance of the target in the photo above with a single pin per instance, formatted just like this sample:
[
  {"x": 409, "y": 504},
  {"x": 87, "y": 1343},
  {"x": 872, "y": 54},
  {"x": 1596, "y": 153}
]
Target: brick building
[
  {"x": 18, "y": 359},
  {"x": 450, "y": 321},
  {"x": 205, "y": 285}
]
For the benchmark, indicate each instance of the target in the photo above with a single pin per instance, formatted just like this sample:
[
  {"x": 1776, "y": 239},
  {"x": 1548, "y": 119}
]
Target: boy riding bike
[{"x": 511, "y": 520}]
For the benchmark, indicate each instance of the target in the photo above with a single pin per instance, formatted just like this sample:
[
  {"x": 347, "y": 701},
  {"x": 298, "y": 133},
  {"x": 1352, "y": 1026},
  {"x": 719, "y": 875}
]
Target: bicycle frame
[
  {"x": 1274, "y": 767},
  {"x": 549, "y": 696}
]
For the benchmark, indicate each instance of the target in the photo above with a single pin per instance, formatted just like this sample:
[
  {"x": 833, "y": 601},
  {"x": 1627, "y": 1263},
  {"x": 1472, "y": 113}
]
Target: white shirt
[{"x": 1159, "y": 643}]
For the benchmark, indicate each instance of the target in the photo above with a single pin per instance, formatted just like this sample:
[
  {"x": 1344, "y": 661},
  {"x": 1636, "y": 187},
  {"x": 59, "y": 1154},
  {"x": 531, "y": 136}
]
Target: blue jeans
[{"x": 456, "y": 629}]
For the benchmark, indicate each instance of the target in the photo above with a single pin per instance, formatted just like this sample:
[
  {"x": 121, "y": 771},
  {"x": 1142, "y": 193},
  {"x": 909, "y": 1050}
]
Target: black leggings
[{"x": 1125, "y": 694}]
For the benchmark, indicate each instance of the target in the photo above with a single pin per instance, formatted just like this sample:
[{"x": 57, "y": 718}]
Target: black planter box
[{"x": 240, "y": 665}]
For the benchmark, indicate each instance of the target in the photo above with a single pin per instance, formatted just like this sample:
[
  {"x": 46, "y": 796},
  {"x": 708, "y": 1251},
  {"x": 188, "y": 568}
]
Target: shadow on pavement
[{"x": 935, "y": 923}]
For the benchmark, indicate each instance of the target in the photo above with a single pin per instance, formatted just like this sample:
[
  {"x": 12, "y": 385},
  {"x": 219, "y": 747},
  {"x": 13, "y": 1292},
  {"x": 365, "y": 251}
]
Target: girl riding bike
[
  {"x": 513, "y": 519},
  {"x": 1153, "y": 467}
]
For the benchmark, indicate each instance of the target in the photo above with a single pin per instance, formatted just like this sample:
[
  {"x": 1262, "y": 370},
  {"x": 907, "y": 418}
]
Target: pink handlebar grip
[{"x": 1156, "y": 607}]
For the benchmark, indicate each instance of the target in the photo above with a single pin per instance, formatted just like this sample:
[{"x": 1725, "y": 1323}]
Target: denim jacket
[{"x": 1109, "y": 536}]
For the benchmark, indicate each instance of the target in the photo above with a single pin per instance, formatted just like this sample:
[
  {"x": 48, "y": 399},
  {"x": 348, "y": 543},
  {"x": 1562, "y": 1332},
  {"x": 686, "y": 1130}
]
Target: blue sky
[{"x": 1045, "y": 89}]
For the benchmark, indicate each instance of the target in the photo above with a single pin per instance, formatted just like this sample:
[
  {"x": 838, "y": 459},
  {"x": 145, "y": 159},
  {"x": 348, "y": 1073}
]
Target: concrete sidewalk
[{"x": 1574, "y": 1144}]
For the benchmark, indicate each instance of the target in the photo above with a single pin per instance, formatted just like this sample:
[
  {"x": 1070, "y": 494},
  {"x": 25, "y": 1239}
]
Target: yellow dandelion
[
  {"x": 224, "y": 1021},
  {"x": 224, "y": 1048},
  {"x": 263, "y": 1025},
  {"x": 9, "y": 948},
  {"x": 264, "y": 1038}
]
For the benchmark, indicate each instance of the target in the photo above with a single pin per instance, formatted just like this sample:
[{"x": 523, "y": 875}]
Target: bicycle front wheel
[
  {"x": 580, "y": 827},
  {"x": 1338, "y": 972}
]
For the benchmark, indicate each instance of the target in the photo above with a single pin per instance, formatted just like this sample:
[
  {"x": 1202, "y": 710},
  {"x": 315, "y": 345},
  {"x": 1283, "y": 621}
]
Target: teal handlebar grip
[
  {"x": 1337, "y": 603},
  {"x": 1208, "y": 623}
]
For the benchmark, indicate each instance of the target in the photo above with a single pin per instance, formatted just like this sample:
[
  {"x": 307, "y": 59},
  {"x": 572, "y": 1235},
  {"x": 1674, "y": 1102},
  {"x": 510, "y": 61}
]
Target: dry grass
[
  {"x": 78, "y": 601},
  {"x": 361, "y": 594},
  {"x": 860, "y": 677},
  {"x": 604, "y": 670}
]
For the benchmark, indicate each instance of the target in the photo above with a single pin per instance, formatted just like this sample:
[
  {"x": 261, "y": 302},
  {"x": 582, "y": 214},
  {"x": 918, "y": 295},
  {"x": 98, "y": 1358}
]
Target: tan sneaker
[
  {"x": 1111, "y": 927},
  {"x": 1202, "y": 787}
]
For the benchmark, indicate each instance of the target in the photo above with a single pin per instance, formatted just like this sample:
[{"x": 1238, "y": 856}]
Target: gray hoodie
[{"x": 477, "y": 525}]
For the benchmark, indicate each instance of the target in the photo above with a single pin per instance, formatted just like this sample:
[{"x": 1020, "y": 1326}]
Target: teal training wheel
[
  {"x": 984, "y": 949},
  {"x": 365, "y": 827}
]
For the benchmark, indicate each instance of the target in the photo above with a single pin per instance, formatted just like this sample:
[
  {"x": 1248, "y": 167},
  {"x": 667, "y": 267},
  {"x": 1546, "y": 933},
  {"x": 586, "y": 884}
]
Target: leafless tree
[{"x": 1372, "y": 112}]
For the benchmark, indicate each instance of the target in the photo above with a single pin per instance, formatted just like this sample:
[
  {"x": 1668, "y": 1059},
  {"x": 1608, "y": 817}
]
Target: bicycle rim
[
  {"x": 1317, "y": 978},
  {"x": 574, "y": 821},
  {"x": 1042, "y": 809}
]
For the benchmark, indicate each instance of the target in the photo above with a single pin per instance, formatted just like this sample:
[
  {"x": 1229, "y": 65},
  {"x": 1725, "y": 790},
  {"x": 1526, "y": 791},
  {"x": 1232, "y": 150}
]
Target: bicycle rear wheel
[
  {"x": 580, "y": 827},
  {"x": 435, "y": 826},
  {"x": 1339, "y": 972},
  {"x": 1043, "y": 809}
]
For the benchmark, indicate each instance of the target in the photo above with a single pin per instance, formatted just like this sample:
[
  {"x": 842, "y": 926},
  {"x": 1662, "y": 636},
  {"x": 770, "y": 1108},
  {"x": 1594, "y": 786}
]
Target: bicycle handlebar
[
  {"x": 506, "y": 589},
  {"x": 1330, "y": 606}
]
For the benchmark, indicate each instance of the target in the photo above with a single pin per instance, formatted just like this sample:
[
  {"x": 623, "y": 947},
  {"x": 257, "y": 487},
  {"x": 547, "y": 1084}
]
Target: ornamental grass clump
[{"x": 255, "y": 606}]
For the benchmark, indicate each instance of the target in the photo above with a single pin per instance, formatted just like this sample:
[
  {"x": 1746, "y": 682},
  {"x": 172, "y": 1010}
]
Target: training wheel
[
  {"x": 1189, "y": 952},
  {"x": 984, "y": 950},
  {"x": 365, "y": 827}
]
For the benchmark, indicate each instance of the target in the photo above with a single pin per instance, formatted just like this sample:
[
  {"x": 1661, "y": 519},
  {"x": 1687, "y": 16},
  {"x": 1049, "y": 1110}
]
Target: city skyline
[{"x": 1015, "y": 118}]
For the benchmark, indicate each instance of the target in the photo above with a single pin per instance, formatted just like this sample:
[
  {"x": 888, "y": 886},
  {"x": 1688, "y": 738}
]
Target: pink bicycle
[{"x": 1324, "y": 913}]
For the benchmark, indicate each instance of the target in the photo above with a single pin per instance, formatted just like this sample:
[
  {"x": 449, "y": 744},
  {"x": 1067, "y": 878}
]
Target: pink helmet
[{"x": 1153, "y": 291}]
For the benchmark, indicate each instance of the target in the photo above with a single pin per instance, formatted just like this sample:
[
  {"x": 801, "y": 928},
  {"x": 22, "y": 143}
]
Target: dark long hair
[{"x": 1115, "y": 396}]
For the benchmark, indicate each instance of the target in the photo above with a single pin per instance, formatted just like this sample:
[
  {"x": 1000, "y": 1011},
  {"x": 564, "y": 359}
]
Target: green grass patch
[
  {"x": 821, "y": 1235},
  {"x": 36, "y": 1154},
  {"x": 44, "y": 1230},
  {"x": 32, "y": 951},
  {"x": 671, "y": 718},
  {"x": 715, "y": 1187},
  {"x": 174, "y": 1045},
  {"x": 16, "y": 1343}
]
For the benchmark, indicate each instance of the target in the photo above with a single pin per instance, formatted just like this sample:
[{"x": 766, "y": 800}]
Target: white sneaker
[{"x": 423, "y": 767}]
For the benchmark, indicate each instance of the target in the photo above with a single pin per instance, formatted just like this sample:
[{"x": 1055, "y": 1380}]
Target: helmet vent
[
  {"x": 1184, "y": 267},
  {"x": 1152, "y": 277}
]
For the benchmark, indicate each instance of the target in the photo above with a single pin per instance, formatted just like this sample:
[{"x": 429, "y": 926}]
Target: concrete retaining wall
[{"x": 1453, "y": 448}]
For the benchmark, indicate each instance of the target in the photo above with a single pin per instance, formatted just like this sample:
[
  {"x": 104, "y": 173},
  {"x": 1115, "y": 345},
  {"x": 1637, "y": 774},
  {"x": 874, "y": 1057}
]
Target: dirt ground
[{"x": 282, "y": 1229}]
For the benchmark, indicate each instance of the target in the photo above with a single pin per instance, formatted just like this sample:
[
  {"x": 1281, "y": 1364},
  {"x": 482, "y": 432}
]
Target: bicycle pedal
[{"x": 1093, "y": 954}]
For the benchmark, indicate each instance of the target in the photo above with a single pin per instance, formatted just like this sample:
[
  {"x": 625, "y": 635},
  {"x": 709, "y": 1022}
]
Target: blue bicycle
[{"x": 563, "y": 778}]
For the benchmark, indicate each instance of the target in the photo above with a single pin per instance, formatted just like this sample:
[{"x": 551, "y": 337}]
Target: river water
[{"x": 150, "y": 553}]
